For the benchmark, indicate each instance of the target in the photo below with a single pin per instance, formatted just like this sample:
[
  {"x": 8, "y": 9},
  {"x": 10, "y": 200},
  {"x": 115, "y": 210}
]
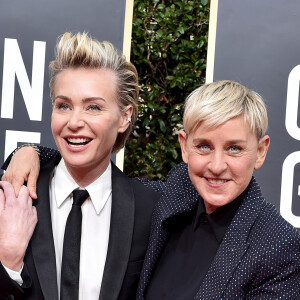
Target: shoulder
[
  {"x": 52, "y": 161},
  {"x": 263, "y": 220},
  {"x": 270, "y": 237},
  {"x": 47, "y": 169},
  {"x": 276, "y": 239},
  {"x": 147, "y": 189},
  {"x": 145, "y": 197},
  {"x": 155, "y": 185},
  {"x": 180, "y": 172},
  {"x": 47, "y": 154},
  {"x": 142, "y": 193},
  {"x": 275, "y": 255},
  {"x": 273, "y": 226}
]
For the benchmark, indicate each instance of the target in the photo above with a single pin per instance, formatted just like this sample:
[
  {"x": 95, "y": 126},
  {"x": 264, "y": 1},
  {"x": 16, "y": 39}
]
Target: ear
[
  {"x": 263, "y": 146},
  {"x": 125, "y": 118},
  {"x": 182, "y": 138}
]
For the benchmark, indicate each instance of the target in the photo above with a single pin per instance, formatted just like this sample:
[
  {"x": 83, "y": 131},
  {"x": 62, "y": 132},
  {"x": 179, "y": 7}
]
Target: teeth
[
  {"x": 78, "y": 140},
  {"x": 216, "y": 181},
  {"x": 75, "y": 146}
]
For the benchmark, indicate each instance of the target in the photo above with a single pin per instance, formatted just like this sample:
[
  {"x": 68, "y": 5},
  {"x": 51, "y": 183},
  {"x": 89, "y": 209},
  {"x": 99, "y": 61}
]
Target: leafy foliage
[{"x": 169, "y": 45}]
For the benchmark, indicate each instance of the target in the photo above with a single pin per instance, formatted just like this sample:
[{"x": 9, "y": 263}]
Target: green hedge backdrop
[{"x": 169, "y": 45}]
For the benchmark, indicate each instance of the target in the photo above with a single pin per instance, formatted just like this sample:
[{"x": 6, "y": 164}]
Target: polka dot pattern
[
  {"x": 46, "y": 154},
  {"x": 259, "y": 257}
]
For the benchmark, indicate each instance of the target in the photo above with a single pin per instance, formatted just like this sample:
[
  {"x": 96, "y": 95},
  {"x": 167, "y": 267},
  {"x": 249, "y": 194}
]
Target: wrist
[
  {"x": 12, "y": 259},
  {"x": 14, "y": 265},
  {"x": 37, "y": 150}
]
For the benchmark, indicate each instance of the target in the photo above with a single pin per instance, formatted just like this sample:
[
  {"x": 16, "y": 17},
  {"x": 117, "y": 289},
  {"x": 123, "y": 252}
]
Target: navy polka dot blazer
[{"x": 259, "y": 257}]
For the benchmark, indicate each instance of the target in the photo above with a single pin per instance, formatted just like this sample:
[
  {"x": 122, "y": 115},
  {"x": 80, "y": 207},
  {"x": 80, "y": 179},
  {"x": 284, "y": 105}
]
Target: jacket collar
[
  {"x": 120, "y": 236},
  {"x": 42, "y": 243},
  {"x": 234, "y": 245},
  {"x": 180, "y": 195},
  {"x": 121, "y": 230}
]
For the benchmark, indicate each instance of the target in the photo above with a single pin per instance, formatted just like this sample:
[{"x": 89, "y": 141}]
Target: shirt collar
[
  {"x": 220, "y": 219},
  {"x": 99, "y": 190}
]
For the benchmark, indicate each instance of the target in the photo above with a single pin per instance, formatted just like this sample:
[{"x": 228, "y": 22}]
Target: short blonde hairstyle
[
  {"x": 215, "y": 103},
  {"x": 81, "y": 51}
]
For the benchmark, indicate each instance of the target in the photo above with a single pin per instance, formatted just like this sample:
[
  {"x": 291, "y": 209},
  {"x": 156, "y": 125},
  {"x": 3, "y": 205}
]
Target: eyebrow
[
  {"x": 197, "y": 140},
  {"x": 200, "y": 140},
  {"x": 84, "y": 99}
]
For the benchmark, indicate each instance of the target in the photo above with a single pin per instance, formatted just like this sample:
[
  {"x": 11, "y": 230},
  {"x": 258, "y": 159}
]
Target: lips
[
  {"x": 77, "y": 142},
  {"x": 216, "y": 181}
]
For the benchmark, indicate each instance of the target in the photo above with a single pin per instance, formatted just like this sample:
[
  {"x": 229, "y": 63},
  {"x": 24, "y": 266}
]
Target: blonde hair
[
  {"x": 217, "y": 102},
  {"x": 81, "y": 51}
]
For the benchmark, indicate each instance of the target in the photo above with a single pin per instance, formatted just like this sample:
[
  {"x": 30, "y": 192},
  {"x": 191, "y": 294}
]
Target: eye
[
  {"x": 94, "y": 107},
  {"x": 62, "y": 106},
  {"x": 205, "y": 148},
  {"x": 235, "y": 149}
]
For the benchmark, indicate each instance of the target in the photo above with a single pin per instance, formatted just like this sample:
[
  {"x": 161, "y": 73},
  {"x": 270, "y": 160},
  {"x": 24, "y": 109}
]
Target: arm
[
  {"x": 157, "y": 186},
  {"x": 8, "y": 286},
  {"x": 160, "y": 186},
  {"x": 24, "y": 166}
]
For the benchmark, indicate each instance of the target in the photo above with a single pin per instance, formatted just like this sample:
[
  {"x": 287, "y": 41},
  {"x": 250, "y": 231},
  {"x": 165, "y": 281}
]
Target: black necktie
[{"x": 71, "y": 250}]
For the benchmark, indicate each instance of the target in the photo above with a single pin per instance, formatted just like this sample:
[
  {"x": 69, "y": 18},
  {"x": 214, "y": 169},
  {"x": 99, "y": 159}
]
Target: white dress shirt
[{"x": 96, "y": 213}]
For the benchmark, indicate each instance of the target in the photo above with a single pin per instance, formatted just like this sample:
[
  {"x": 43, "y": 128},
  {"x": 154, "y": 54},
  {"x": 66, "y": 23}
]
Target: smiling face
[
  {"x": 221, "y": 160},
  {"x": 86, "y": 119}
]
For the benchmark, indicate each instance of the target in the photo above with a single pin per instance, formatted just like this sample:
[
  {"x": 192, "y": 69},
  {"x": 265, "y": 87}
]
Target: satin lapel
[
  {"x": 121, "y": 230},
  {"x": 233, "y": 247},
  {"x": 42, "y": 241}
]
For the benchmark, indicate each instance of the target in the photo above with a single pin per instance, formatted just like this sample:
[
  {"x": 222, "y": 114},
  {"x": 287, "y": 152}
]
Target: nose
[
  {"x": 76, "y": 120},
  {"x": 217, "y": 163}
]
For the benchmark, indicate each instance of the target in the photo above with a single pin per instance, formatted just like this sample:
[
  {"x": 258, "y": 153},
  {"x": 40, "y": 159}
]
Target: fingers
[
  {"x": 16, "y": 181},
  {"x": 17, "y": 223},
  {"x": 35, "y": 217},
  {"x": 31, "y": 184},
  {"x": 2, "y": 200},
  {"x": 24, "y": 166},
  {"x": 9, "y": 192},
  {"x": 24, "y": 196}
]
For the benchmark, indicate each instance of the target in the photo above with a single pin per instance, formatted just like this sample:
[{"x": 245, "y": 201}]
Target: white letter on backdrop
[
  {"x": 13, "y": 65},
  {"x": 292, "y": 101},
  {"x": 12, "y": 138},
  {"x": 287, "y": 181}
]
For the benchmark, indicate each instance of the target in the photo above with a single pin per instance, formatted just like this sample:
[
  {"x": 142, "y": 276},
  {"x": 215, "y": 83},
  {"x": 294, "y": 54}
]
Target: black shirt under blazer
[
  {"x": 259, "y": 257},
  {"x": 132, "y": 205}
]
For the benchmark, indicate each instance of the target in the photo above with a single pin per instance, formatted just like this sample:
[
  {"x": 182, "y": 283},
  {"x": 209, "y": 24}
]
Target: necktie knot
[{"x": 79, "y": 196}]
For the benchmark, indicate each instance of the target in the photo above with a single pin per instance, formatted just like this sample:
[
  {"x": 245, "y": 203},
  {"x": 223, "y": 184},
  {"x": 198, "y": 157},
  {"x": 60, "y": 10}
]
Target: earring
[{"x": 129, "y": 119}]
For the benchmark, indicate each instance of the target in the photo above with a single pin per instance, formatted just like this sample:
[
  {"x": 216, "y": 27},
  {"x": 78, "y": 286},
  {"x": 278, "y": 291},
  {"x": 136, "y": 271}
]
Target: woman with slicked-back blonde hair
[
  {"x": 73, "y": 51},
  {"x": 95, "y": 251}
]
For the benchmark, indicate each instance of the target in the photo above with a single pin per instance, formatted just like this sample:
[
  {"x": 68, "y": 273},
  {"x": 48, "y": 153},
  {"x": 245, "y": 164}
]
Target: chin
[{"x": 218, "y": 201}]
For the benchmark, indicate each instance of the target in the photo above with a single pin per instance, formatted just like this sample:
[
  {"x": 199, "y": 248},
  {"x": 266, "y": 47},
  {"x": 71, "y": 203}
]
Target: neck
[{"x": 85, "y": 175}]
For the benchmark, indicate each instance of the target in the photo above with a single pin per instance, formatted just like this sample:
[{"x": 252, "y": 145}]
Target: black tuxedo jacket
[
  {"x": 132, "y": 205},
  {"x": 259, "y": 257}
]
